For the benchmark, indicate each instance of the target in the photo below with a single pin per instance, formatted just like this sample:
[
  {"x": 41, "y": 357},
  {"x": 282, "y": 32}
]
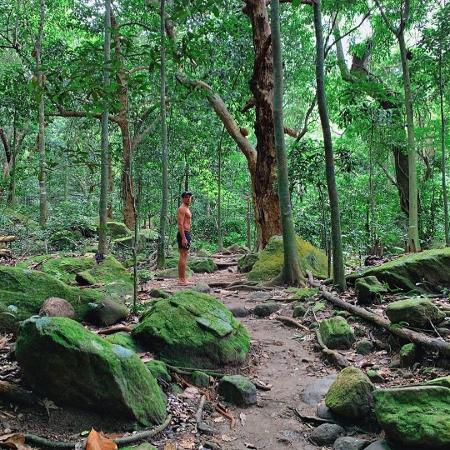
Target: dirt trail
[{"x": 282, "y": 357}]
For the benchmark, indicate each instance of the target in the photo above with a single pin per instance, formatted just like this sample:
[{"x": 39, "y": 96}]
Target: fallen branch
[
  {"x": 16, "y": 394},
  {"x": 306, "y": 418},
  {"x": 410, "y": 335},
  {"x": 189, "y": 370},
  {"x": 226, "y": 414},
  {"x": 333, "y": 356},
  {"x": 115, "y": 329},
  {"x": 40, "y": 441},
  {"x": 292, "y": 323},
  {"x": 202, "y": 426}
]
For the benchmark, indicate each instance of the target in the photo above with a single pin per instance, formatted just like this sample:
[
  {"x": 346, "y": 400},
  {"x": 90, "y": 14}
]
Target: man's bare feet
[{"x": 184, "y": 283}]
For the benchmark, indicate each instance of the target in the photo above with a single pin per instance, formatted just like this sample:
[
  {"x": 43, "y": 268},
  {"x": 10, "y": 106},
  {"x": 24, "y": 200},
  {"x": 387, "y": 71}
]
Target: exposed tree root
[
  {"x": 292, "y": 323},
  {"x": 42, "y": 442},
  {"x": 16, "y": 394},
  {"x": 333, "y": 356},
  {"x": 405, "y": 333}
]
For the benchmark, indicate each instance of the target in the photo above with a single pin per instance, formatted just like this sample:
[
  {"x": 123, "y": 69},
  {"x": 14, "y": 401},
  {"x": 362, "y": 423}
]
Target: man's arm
[{"x": 180, "y": 218}]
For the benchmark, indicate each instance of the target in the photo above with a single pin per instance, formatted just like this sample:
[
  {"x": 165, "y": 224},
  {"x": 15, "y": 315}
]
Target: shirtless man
[{"x": 184, "y": 219}]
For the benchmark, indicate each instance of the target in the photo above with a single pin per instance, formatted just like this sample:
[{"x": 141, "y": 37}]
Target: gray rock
[
  {"x": 350, "y": 443},
  {"x": 290, "y": 436},
  {"x": 238, "y": 390},
  {"x": 107, "y": 312},
  {"x": 408, "y": 355},
  {"x": 315, "y": 392},
  {"x": 324, "y": 412},
  {"x": 326, "y": 434},
  {"x": 239, "y": 311},
  {"x": 378, "y": 445},
  {"x": 201, "y": 287},
  {"x": 200, "y": 379},
  {"x": 299, "y": 310},
  {"x": 266, "y": 309},
  {"x": 369, "y": 290},
  {"x": 364, "y": 347},
  {"x": 336, "y": 333},
  {"x": 259, "y": 296},
  {"x": 57, "y": 307}
]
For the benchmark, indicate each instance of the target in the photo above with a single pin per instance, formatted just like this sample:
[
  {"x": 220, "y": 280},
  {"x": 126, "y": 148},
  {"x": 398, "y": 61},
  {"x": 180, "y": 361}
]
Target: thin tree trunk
[
  {"x": 105, "y": 157},
  {"x": 413, "y": 230},
  {"x": 160, "y": 262},
  {"x": 443, "y": 153},
  {"x": 110, "y": 188},
  {"x": 219, "y": 193},
  {"x": 336, "y": 237},
  {"x": 43, "y": 209},
  {"x": 291, "y": 273},
  {"x": 12, "y": 172}
]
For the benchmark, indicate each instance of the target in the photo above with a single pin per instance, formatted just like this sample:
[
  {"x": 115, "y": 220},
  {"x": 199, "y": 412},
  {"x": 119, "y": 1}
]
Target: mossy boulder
[
  {"x": 65, "y": 240},
  {"x": 106, "y": 312},
  {"x": 70, "y": 365},
  {"x": 202, "y": 265},
  {"x": 158, "y": 293},
  {"x": 200, "y": 379},
  {"x": 336, "y": 333},
  {"x": 117, "y": 229},
  {"x": 350, "y": 396},
  {"x": 246, "y": 262},
  {"x": 236, "y": 249},
  {"x": 425, "y": 271},
  {"x": 238, "y": 390},
  {"x": 270, "y": 260},
  {"x": 23, "y": 292},
  {"x": 191, "y": 329},
  {"x": 159, "y": 370},
  {"x": 125, "y": 340},
  {"x": 415, "y": 417},
  {"x": 369, "y": 290},
  {"x": 266, "y": 309},
  {"x": 172, "y": 273},
  {"x": 416, "y": 311}
]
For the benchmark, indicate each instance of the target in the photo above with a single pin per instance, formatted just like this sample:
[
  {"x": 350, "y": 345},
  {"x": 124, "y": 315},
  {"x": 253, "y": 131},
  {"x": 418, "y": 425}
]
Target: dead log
[{"x": 405, "y": 333}]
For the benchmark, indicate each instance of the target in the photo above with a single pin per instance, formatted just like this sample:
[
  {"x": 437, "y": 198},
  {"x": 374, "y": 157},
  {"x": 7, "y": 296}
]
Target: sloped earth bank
[{"x": 284, "y": 358}]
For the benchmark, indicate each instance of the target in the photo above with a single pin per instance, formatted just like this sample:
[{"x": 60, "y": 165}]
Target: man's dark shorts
[{"x": 188, "y": 238}]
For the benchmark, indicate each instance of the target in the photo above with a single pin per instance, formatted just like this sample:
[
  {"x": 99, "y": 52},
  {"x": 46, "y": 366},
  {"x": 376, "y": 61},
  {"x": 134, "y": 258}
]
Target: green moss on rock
[
  {"x": 246, "y": 262},
  {"x": 270, "y": 260},
  {"x": 408, "y": 355},
  {"x": 369, "y": 290},
  {"x": 125, "y": 340},
  {"x": 159, "y": 370},
  {"x": 23, "y": 291},
  {"x": 238, "y": 390},
  {"x": 172, "y": 273},
  {"x": 336, "y": 333},
  {"x": 303, "y": 293},
  {"x": 416, "y": 311},
  {"x": 200, "y": 379},
  {"x": 350, "y": 396},
  {"x": 191, "y": 329},
  {"x": 117, "y": 229},
  {"x": 70, "y": 365},
  {"x": 416, "y": 417},
  {"x": 202, "y": 265}
]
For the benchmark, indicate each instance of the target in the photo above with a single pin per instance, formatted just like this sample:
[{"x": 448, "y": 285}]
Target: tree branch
[
  {"x": 386, "y": 19},
  {"x": 225, "y": 116}
]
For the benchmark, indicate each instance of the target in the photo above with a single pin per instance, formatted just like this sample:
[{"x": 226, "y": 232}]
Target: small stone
[
  {"x": 201, "y": 287},
  {"x": 350, "y": 443},
  {"x": 369, "y": 290},
  {"x": 326, "y": 434},
  {"x": 374, "y": 376},
  {"x": 158, "y": 293},
  {"x": 239, "y": 311},
  {"x": 266, "y": 309},
  {"x": 324, "y": 412},
  {"x": 200, "y": 379},
  {"x": 57, "y": 307},
  {"x": 259, "y": 296},
  {"x": 364, "y": 347},
  {"x": 408, "y": 355},
  {"x": 238, "y": 390},
  {"x": 378, "y": 445}
]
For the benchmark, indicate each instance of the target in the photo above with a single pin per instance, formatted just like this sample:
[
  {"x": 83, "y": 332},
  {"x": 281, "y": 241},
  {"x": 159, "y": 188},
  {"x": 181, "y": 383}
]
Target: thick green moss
[
  {"x": 125, "y": 340},
  {"x": 158, "y": 370},
  {"x": 202, "y": 265},
  {"x": 303, "y": 293},
  {"x": 270, "y": 260},
  {"x": 350, "y": 396},
  {"x": 425, "y": 271},
  {"x": 336, "y": 333},
  {"x": 23, "y": 291},
  {"x": 246, "y": 262},
  {"x": 70, "y": 365},
  {"x": 193, "y": 330},
  {"x": 416, "y": 417},
  {"x": 369, "y": 290},
  {"x": 416, "y": 311},
  {"x": 117, "y": 229}
]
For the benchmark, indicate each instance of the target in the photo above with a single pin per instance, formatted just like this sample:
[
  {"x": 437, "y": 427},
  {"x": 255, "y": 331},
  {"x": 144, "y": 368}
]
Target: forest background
[{"x": 52, "y": 66}]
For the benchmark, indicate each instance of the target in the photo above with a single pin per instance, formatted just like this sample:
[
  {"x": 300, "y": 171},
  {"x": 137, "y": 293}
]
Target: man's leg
[{"x": 182, "y": 266}]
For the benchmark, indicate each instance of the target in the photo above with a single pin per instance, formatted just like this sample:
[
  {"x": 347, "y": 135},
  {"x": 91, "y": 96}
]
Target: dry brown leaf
[
  {"x": 187, "y": 442},
  {"x": 96, "y": 441},
  {"x": 170, "y": 446}
]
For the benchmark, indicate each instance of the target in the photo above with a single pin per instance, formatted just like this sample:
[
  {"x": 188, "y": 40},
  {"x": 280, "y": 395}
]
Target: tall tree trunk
[
  {"x": 109, "y": 211},
  {"x": 124, "y": 125},
  {"x": 43, "y": 208},
  {"x": 291, "y": 273},
  {"x": 443, "y": 154},
  {"x": 263, "y": 173},
  {"x": 413, "y": 225},
  {"x": 336, "y": 237},
  {"x": 219, "y": 193},
  {"x": 105, "y": 157},
  {"x": 160, "y": 262}
]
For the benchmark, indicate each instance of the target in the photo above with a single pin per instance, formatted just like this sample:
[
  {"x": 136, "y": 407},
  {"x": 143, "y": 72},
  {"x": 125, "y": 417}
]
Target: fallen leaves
[{"x": 97, "y": 441}]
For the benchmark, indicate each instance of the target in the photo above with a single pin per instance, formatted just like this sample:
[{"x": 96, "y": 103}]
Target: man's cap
[{"x": 186, "y": 194}]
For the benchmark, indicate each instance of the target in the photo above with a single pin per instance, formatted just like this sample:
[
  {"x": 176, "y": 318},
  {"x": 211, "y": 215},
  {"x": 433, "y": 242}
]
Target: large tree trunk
[
  {"x": 336, "y": 236},
  {"x": 43, "y": 209},
  {"x": 123, "y": 122},
  {"x": 104, "y": 176},
  {"x": 291, "y": 273},
  {"x": 263, "y": 175},
  {"x": 161, "y": 259}
]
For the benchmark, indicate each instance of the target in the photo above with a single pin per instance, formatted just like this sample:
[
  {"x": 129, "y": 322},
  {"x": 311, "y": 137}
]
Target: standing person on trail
[{"x": 184, "y": 219}]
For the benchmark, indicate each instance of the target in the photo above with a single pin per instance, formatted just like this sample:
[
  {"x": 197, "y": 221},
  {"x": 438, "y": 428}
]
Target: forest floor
[{"x": 284, "y": 359}]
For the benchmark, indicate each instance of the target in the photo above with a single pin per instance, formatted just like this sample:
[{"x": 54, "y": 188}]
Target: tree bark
[
  {"x": 43, "y": 208},
  {"x": 291, "y": 273},
  {"x": 161, "y": 260},
  {"x": 336, "y": 236},
  {"x": 104, "y": 176},
  {"x": 219, "y": 193}
]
